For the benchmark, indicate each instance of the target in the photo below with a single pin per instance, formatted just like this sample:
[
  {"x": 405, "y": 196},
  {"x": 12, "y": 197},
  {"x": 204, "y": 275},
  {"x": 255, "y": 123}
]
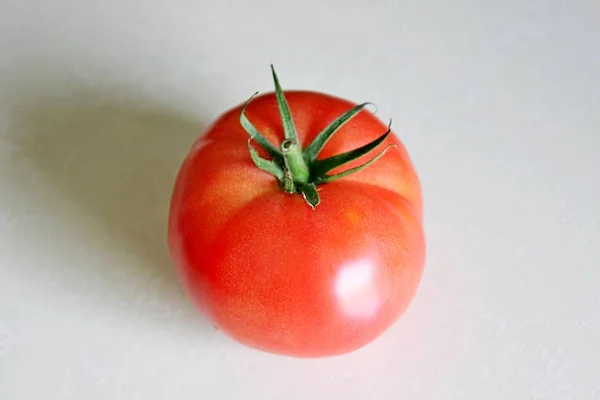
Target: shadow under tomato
[{"x": 113, "y": 156}]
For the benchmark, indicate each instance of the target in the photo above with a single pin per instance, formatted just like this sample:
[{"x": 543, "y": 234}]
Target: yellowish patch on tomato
[{"x": 353, "y": 215}]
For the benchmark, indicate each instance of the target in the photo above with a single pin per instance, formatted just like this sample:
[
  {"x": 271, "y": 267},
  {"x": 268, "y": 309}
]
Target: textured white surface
[{"x": 497, "y": 102}]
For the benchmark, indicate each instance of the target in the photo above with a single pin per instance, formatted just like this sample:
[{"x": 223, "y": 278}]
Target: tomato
[{"x": 279, "y": 266}]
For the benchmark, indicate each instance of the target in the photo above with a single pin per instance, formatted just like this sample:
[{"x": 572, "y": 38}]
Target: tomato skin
[{"x": 276, "y": 275}]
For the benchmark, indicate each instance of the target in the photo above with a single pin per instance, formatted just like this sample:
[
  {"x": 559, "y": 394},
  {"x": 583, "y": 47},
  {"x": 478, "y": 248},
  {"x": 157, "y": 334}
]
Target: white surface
[{"x": 497, "y": 103}]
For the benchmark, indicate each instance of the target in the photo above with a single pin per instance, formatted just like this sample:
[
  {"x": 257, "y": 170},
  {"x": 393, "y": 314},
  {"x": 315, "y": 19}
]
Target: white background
[{"x": 497, "y": 102}]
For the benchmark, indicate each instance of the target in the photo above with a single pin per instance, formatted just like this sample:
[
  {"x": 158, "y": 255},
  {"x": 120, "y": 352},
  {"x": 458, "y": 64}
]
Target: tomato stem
[
  {"x": 294, "y": 161},
  {"x": 298, "y": 170}
]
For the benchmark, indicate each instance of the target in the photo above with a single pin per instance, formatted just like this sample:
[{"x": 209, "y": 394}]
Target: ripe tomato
[{"x": 305, "y": 273}]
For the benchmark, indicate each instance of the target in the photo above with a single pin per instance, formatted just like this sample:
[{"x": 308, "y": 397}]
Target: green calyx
[{"x": 298, "y": 170}]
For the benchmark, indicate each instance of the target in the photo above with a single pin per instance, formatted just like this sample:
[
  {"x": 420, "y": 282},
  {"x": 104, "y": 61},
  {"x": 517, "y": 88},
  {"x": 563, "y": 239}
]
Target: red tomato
[{"x": 274, "y": 273}]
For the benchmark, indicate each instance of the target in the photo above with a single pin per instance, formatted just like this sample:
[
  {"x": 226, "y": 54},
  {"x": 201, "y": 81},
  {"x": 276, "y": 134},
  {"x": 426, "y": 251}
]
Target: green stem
[
  {"x": 294, "y": 161},
  {"x": 287, "y": 183},
  {"x": 297, "y": 170}
]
